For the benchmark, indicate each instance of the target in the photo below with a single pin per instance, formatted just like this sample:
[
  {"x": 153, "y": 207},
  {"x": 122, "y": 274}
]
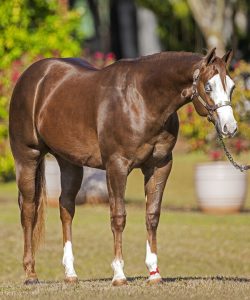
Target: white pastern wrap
[
  {"x": 68, "y": 260},
  {"x": 151, "y": 263},
  {"x": 117, "y": 266}
]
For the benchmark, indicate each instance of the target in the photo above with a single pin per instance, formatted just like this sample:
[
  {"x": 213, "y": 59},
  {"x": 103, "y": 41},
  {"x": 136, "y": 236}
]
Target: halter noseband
[{"x": 211, "y": 108}]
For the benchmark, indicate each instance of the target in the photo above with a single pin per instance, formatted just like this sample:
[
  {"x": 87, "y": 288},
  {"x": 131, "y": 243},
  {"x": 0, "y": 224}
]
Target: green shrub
[{"x": 7, "y": 166}]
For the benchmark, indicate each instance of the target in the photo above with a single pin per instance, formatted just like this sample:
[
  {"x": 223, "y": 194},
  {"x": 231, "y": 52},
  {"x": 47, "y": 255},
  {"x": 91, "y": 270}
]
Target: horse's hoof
[
  {"x": 119, "y": 282},
  {"x": 31, "y": 281},
  {"x": 154, "y": 281},
  {"x": 71, "y": 280}
]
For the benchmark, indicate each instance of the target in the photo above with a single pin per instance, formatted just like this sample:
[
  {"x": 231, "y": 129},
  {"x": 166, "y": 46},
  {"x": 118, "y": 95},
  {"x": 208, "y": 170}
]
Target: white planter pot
[
  {"x": 220, "y": 188},
  {"x": 53, "y": 183},
  {"x": 93, "y": 188}
]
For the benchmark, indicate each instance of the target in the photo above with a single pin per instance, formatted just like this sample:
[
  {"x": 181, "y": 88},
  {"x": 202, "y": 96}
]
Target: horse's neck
[{"x": 170, "y": 75}]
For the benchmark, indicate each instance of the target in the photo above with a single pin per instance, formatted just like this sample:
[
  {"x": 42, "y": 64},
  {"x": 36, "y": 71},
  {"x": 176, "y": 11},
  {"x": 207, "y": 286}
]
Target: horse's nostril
[
  {"x": 225, "y": 128},
  {"x": 235, "y": 130}
]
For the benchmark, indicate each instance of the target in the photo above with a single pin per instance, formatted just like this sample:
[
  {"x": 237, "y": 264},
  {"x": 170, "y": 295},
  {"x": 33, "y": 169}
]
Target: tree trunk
[
  {"x": 209, "y": 15},
  {"x": 123, "y": 26},
  {"x": 148, "y": 41}
]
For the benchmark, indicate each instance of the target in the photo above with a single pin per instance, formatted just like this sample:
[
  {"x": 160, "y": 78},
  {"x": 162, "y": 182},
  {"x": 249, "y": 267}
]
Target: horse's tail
[{"x": 41, "y": 201}]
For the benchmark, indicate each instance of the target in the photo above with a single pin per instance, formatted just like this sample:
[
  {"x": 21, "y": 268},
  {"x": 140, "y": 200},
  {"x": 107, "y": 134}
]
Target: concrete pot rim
[{"x": 219, "y": 164}]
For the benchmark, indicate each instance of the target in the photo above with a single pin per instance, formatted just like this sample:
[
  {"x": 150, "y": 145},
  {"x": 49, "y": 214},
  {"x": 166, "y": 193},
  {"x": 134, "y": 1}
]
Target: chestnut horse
[{"x": 119, "y": 118}]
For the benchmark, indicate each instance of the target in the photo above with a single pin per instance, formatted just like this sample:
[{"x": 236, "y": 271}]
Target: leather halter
[{"x": 211, "y": 108}]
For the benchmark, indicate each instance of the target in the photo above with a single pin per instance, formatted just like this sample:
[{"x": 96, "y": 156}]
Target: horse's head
[{"x": 212, "y": 91}]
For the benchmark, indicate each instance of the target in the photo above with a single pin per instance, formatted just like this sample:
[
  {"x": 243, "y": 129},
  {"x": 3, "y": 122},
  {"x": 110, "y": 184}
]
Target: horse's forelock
[
  {"x": 220, "y": 67},
  {"x": 216, "y": 66}
]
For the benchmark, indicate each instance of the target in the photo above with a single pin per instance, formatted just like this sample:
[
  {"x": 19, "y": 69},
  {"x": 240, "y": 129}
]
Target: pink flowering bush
[{"x": 99, "y": 59}]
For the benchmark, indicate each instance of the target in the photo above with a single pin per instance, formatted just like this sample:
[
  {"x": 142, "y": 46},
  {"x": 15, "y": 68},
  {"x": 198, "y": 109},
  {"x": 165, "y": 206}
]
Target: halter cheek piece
[{"x": 211, "y": 108}]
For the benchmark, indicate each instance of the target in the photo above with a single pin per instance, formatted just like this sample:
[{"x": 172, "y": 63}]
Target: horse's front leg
[
  {"x": 71, "y": 178},
  {"x": 155, "y": 181},
  {"x": 117, "y": 171}
]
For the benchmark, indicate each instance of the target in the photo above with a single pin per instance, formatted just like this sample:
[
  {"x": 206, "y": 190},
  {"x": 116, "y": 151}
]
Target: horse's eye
[{"x": 208, "y": 87}]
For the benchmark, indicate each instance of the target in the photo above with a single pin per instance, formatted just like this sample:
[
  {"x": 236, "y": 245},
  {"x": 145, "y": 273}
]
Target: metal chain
[{"x": 242, "y": 168}]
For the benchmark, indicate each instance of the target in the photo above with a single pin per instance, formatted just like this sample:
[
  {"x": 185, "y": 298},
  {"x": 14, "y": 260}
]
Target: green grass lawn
[
  {"x": 200, "y": 256},
  {"x": 179, "y": 191}
]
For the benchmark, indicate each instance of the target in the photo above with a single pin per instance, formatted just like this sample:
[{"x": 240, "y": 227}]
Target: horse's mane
[
  {"x": 177, "y": 59},
  {"x": 162, "y": 56}
]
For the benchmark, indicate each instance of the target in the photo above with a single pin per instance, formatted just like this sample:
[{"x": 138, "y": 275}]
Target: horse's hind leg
[
  {"x": 155, "y": 181},
  {"x": 71, "y": 179},
  {"x": 30, "y": 174}
]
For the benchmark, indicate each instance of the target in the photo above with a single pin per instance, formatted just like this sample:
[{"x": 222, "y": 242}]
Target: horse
[{"x": 118, "y": 118}]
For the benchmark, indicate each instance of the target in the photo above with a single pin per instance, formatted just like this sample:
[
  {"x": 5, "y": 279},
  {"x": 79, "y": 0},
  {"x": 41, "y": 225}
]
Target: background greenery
[
  {"x": 34, "y": 29},
  {"x": 177, "y": 28}
]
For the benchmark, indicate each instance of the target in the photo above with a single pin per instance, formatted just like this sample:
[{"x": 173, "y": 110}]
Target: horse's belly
[
  {"x": 81, "y": 149},
  {"x": 89, "y": 157}
]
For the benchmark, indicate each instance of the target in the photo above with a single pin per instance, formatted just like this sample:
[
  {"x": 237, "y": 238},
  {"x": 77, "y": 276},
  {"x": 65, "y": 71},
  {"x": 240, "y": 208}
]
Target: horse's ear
[
  {"x": 210, "y": 56},
  {"x": 187, "y": 93},
  {"x": 228, "y": 57}
]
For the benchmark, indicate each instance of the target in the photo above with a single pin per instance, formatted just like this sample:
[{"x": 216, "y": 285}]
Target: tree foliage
[{"x": 36, "y": 27}]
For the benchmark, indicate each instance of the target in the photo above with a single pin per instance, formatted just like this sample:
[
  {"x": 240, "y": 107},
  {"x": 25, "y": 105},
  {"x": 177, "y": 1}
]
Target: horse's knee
[
  {"x": 118, "y": 222},
  {"x": 152, "y": 221}
]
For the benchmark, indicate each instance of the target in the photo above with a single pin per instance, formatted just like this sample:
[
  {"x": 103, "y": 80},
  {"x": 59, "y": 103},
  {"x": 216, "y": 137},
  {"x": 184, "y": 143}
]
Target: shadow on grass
[
  {"x": 165, "y": 280},
  {"x": 213, "y": 278},
  {"x": 191, "y": 278}
]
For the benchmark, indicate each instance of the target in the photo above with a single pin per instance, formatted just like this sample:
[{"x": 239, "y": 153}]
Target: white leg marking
[
  {"x": 151, "y": 263},
  {"x": 117, "y": 266},
  {"x": 68, "y": 260}
]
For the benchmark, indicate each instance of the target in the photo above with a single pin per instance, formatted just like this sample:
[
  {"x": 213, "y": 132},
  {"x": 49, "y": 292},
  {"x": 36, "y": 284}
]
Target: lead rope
[{"x": 242, "y": 168}]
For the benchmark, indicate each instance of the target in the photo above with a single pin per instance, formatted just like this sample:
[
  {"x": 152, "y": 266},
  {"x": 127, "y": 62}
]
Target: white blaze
[
  {"x": 151, "y": 262},
  {"x": 68, "y": 260},
  {"x": 219, "y": 95}
]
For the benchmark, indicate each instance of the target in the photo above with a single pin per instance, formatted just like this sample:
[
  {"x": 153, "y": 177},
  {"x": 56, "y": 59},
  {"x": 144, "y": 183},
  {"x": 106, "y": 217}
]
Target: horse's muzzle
[{"x": 229, "y": 129}]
